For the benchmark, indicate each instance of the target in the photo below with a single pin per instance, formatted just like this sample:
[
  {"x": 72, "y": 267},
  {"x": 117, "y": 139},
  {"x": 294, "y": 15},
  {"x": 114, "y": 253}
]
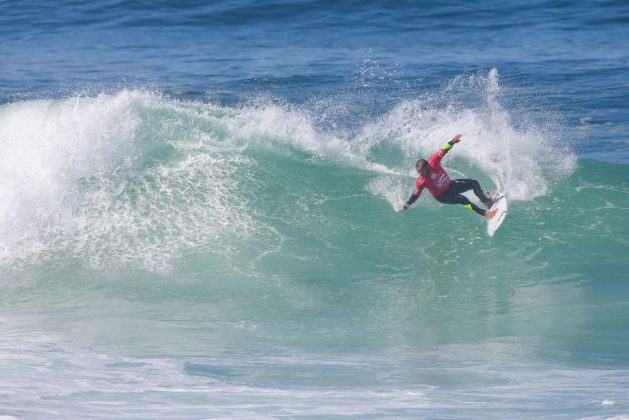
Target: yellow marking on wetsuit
[
  {"x": 446, "y": 147},
  {"x": 469, "y": 207}
]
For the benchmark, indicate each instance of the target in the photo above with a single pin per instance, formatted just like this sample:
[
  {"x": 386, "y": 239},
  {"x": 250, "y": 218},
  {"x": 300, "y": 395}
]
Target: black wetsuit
[{"x": 457, "y": 186}]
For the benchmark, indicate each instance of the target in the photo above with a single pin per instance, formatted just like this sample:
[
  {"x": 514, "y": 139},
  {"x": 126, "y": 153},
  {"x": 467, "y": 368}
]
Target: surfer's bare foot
[
  {"x": 491, "y": 213},
  {"x": 490, "y": 199}
]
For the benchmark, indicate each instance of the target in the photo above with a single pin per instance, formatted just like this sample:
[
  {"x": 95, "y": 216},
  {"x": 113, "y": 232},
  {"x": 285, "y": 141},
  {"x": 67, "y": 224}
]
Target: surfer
[{"x": 435, "y": 178}]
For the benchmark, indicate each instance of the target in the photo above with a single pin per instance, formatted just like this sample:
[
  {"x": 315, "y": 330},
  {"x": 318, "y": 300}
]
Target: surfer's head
[{"x": 422, "y": 167}]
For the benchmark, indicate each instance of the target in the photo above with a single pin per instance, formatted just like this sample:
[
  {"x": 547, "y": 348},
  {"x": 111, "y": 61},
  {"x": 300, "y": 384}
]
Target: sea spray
[
  {"x": 51, "y": 150},
  {"x": 92, "y": 178},
  {"x": 520, "y": 160}
]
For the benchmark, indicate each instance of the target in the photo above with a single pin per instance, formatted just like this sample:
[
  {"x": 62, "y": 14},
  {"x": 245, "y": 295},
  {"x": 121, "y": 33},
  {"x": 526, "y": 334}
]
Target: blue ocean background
[{"x": 197, "y": 210}]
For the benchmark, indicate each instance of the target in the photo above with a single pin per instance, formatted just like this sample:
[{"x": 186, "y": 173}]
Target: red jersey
[{"x": 438, "y": 180}]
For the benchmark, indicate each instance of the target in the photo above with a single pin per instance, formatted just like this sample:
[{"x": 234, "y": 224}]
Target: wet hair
[{"x": 421, "y": 163}]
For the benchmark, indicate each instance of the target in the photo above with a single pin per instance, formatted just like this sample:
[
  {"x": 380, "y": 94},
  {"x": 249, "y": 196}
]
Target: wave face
[{"x": 236, "y": 249}]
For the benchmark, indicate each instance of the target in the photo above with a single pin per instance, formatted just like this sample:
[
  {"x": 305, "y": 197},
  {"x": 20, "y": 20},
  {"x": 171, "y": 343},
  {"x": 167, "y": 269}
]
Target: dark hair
[{"x": 421, "y": 162}]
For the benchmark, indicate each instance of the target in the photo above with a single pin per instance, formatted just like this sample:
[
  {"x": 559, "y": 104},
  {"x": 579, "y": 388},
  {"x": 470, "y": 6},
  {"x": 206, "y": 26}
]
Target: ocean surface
[{"x": 197, "y": 209}]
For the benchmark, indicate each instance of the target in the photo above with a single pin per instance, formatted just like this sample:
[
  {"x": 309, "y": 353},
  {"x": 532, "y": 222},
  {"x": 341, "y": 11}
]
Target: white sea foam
[
  {"x": 48, "y": 147},
  {"x": 86, "y": 177}
]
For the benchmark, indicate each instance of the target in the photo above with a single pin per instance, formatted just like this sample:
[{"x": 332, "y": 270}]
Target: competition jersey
[{"x": 437, "y": 180}]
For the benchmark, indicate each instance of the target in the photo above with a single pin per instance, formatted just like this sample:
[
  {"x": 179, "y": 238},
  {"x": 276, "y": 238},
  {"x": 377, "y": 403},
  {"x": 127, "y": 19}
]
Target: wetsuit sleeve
[
  {"x": 414, "y": 196},
  {"x": 442, "y": 152}
]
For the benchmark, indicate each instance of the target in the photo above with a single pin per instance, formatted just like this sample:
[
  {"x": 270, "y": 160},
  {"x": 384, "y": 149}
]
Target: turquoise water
[
  {"x": 198, "y": 211},
  {"x": 217, "y": 261}
]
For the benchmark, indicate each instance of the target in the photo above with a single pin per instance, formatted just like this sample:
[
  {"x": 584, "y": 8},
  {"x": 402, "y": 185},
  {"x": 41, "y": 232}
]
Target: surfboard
[{"x": 494, "y": 223}]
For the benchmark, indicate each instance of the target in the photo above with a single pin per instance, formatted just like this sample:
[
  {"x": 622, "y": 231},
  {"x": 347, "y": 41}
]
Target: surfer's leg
[
  {"x": 452, "y": 197},
  {"x": 473, "y": 207},
  {"x": 472, "y": 184}
]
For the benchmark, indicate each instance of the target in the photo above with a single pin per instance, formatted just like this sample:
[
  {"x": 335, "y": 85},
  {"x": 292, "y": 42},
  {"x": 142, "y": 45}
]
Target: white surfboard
[{"x": 494, "y": 223}]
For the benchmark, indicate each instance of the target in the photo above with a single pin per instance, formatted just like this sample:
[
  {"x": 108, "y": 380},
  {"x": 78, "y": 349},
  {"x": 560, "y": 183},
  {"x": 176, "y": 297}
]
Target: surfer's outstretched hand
[
  {"x": 456, "y": 138},
  {"x": 401, "y": 209}
]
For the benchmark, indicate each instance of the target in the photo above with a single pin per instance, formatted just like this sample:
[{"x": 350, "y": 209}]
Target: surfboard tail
[{"x": 501, "y": 204}]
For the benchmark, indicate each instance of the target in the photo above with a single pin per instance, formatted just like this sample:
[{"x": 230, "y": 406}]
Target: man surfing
[{"x": 435, "y": 178}]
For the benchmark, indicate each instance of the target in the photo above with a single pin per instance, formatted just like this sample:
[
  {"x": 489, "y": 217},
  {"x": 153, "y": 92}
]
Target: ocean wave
[{"x": 134, "y": 177}]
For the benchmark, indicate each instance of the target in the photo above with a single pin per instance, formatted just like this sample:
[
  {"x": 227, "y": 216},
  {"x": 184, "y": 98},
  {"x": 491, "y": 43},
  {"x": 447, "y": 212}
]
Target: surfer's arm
[
  {"x": 414, "y": 196},
  {"x": 446, "y": 147}
]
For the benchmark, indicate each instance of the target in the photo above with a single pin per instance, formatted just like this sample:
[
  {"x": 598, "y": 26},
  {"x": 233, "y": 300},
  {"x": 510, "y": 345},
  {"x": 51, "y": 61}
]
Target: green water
[{"x": 245, "y": 252}]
